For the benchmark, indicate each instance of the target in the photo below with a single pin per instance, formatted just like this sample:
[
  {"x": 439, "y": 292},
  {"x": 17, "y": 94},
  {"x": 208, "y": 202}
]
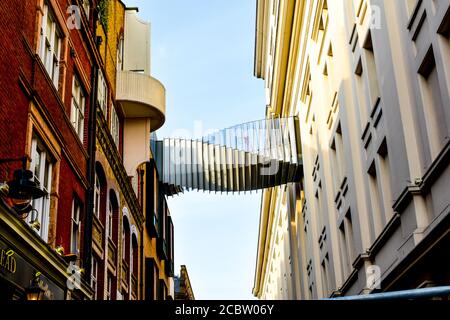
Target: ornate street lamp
[
  {"x": 22, "y": 189},
  {"x": 34, "y": 291}
]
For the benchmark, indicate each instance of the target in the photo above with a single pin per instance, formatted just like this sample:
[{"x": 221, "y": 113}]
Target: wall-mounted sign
[
  {"x": 7, "y": 261},
  {"x": 19, "y": 271}
]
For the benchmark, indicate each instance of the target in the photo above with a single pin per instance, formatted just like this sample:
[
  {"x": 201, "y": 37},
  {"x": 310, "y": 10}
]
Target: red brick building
[
  {"x": 80, "y": 113},
  {"x": 48, "y": 54}
]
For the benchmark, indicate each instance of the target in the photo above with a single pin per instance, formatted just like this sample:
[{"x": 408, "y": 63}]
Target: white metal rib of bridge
[{"x": 250, "y": 156}]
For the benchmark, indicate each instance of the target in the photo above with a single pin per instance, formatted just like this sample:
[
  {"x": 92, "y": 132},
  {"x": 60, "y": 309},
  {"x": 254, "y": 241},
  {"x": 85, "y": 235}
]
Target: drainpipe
[{"x": 92, "y": 133}]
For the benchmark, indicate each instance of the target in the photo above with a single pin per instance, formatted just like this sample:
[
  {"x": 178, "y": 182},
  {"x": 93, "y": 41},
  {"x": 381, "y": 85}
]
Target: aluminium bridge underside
[{"x": 251, "y": 156}]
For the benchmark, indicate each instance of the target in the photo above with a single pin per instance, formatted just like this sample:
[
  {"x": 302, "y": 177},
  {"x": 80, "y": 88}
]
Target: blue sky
[{"x": 202, "y": 51}]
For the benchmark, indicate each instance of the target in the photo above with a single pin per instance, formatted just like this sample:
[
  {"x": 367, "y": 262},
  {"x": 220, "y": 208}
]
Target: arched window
[
  {"x": 134, "y": 255},
  {"x": 126, "y": 248},
  {"x": 109, "y": 221},
  {"x": 112, "y": 235},
  {"x": 126, "y": 240},
  {"x": 134, "y": 266},
  {"x": 99, "y": 192},
  {"x": 112, "y": 217},
  {"x": 98, "y": 264}
]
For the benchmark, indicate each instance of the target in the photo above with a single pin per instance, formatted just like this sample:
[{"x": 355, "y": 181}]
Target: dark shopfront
[
  {"x": 24, "y": 257},
  {"x": 16, "y": 275}
]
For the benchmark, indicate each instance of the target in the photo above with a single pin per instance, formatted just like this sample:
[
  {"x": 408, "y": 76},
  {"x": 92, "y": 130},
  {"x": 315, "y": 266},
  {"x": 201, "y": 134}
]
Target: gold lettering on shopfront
[{"x": 7, "y": 261}]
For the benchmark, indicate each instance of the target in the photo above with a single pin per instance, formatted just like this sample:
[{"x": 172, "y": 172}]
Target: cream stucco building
[{"x": 369, "y": 81}]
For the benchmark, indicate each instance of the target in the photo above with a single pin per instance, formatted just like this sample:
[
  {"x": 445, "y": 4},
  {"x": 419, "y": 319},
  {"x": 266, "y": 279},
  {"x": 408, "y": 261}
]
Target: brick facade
[
  {"x": 27, "y": 86},
  {"x": 34, "y": 111}
]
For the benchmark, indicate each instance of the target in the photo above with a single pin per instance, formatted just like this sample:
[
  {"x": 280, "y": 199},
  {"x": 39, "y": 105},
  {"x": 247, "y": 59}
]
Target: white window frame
[
  {"x": 131, "y": 258},
  {"x": 75, "y": 227},
  {"x": 120, "y": 55},
  {"x": 97, "y": 196},
  {"x": 108, "y": 286},
  {"x": 50, "y": 45},
  {"x": 86, "y": 7},
  {"x": 94, "y": 276},
  {"x": 42, "y": 168},
  {"x": 102, "y": 92},
  {"x": 124, "y": 243},
  {"x": 115, "y": 127},
  {"x": 110, "y": 220},
  {"x": 78, "y": 108}
]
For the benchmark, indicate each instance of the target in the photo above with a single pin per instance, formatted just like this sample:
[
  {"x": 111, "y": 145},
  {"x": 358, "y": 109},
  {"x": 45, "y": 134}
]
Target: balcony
[{"x": 142, "y": 96}]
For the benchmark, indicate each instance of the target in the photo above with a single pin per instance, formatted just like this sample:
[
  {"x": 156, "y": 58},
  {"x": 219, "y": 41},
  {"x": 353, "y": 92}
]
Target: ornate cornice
[{"x": 115, "y": 161}]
